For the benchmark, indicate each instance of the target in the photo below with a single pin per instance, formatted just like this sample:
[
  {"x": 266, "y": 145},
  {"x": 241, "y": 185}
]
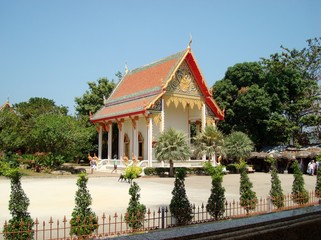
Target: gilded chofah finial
[
  {"x": 126, "y": 68},
  {"x": 190, "y": 41}
]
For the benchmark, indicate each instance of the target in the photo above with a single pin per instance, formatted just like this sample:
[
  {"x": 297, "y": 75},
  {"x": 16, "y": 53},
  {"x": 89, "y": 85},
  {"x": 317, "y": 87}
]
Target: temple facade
[{"x": 169, "y": 93}]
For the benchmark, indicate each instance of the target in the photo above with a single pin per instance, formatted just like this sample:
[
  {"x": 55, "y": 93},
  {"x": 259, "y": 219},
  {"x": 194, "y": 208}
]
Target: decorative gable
[{"x": 184, "y": 82}]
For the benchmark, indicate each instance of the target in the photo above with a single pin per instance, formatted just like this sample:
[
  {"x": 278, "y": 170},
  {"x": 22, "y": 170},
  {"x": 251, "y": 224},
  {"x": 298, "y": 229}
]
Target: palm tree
[
  {"x": 209, "y": 142},
  {"x": 237, "y": 146},
  {"x": 172, "y": 145}
]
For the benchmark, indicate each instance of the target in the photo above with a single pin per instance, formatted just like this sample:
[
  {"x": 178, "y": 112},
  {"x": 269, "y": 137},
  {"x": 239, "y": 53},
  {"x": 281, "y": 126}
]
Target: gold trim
[{"x": 178, "y": 99}]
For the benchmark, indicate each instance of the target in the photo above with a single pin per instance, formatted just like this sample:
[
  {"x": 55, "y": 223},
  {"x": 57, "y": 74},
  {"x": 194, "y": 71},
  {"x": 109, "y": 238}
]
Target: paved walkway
[{"x": 54, "y": 196}]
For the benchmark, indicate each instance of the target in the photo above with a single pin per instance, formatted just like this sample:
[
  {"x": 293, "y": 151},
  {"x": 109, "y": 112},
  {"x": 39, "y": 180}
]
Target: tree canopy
[
  {"x": 276, "y": 97},
  {"x": 93, "y": 98},
  {"x": 40, "y": 126}
]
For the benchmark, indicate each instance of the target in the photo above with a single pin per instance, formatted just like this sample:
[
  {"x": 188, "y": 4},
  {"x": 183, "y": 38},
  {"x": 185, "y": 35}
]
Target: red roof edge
[
  {"x": 118, "y": 116},
  {"x": 202, "y": 84}
]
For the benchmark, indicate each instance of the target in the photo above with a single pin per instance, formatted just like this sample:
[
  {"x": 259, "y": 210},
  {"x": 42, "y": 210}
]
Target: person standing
[
  {"x": 115, "y": 164},
  {"x": 93, "y": 164}
]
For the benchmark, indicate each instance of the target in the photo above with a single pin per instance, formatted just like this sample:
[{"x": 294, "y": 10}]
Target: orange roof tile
[{"x": 143, "y": 85}]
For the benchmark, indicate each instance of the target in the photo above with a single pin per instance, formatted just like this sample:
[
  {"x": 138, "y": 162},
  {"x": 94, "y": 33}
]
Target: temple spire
[
  {"x": 190, "y": 41},
  {"x": 126, "y": 68}
]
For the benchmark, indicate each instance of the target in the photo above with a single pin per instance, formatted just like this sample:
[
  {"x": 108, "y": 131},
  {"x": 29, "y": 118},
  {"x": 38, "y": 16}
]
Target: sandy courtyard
[{"x": 54, "y": 197}]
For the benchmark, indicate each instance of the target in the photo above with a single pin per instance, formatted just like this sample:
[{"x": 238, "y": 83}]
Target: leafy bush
[
  {"x": 21, "y": 224},
  {"x": 161, "y": 171},
  {"x": 233, "y": 168},
  {"x": 132, "y": 172},
  {"x": 216, "y": 202},
  {"x": 135, "y": 213},
  {"x": 299, "y": 193},
  {"x": 248, "y": 197},
  {"x": 84, "y": 220},
  {"x": 180, "y": 206},
  {"x": 149, "y": 171}
]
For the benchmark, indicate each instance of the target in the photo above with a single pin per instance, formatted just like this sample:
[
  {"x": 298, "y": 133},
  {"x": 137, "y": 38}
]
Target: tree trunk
[{"x": 171, "y": 168}]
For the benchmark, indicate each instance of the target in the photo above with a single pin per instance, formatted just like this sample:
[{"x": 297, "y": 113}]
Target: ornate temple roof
[
  {"x": 140, "y": 88},
  {"x": 6, "y": 105}
]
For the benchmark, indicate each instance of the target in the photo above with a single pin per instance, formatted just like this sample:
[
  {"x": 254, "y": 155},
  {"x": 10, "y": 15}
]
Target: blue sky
[{"x": 51, "y": 49}]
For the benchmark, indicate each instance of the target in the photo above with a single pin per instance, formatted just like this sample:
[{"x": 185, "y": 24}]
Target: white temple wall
[
  {"x": 127, "y": 128},
  {"x": 176, "y": 117},
  {"x": 142, "y": 128},
  {"x": 195, "y": 113}
]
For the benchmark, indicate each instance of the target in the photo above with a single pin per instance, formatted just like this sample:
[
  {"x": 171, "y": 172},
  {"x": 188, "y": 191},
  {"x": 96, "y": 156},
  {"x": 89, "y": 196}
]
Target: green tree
[
  {"x": 21, "y": 224},
  {"x": 61, "y": 135},
  {"x": 36, "y": 107},
  {"x": 12, "y": 132},
  {"x": 252, "y": 109},
  {"x": 93, "y": 99},
  {"x": 84, "y": 220},
  {"x": 237, "y": 146},
  {"x": 276, "y": 192},
  {"x": 135, "y": 213},
  {"x": 180, "y": 206},
  {"x": 209, "y": 142},
  {"x": 216, "y": 202},
  {"x": 225, "y": 94},
  {"x": 248, "y": 197},
  {"x": 299, "y": 193},
  {"x": 172, "y": 145},
  {"x": 284, "y": 85}
]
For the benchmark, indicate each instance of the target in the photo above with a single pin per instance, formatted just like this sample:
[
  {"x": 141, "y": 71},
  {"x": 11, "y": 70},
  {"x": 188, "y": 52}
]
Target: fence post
[
  {"x": 163, "y": 217},
  {"x": 269, "y": 204}
]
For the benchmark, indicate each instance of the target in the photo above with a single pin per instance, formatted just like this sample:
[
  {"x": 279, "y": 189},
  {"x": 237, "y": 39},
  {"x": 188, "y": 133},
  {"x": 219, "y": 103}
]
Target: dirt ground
[{"x": 54, "y": 196}]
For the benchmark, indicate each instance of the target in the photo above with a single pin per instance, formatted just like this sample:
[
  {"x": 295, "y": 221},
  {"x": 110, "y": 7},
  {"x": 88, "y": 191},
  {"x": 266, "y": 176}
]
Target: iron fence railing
[{"x": 109, "y": 226}]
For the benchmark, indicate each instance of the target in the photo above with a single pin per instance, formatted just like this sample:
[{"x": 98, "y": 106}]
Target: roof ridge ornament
[
  {"x": 190, "y": 41},
  {"x": 126, "y": 68}
]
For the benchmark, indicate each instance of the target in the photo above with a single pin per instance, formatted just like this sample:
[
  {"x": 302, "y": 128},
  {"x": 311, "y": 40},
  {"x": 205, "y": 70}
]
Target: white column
[
  {"x": 135, "y": 150},
  {"x": 121, "y": 142},
  {"x": 203, "y": 124},
  {"x": 203, "y": 116},
  {"x": 110, "y": 142},
  {"x": 162, "y": 117},
  {"x": 150, "y": 142},
  {"x": 100, "y": 141}
]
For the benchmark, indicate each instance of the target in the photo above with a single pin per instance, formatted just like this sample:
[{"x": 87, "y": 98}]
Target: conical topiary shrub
[
  {"x": 216, "y": 202},
  {"x": 276, "y": 192},
  {"x": 248, "y": 197},
  {"x": 135, "y": 211},
  {"x": 21, "y": 224},
  {"x": 84, "y": 220},
  {"x": 180, "y": 206},
  {"x": 299, "y": 193}
]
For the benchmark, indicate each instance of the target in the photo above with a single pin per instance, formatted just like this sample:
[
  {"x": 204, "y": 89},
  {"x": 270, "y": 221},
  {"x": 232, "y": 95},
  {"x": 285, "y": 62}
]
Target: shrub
[
  {"x": 84, "y": 220},
  {"x": 216, "y": 202},
  {"x": 180, "y": 206},
  {"x": 149, "y": 171},
  {"x": 248, "y": 197},
  {"x": 318, "y": 183},
  {"x": 233, "y": 168},
  {"x": 21, "y": 224},
  {"x": 161, "y": 171},
  {"x": 276, "y": 192},
  {"x": 132, "y": 172},
  {"x": 135, "y": 213},
  {"x": 299, "y": 193}
]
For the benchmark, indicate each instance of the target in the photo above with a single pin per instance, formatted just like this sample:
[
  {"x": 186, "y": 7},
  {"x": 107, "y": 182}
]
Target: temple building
[
  {"x": 169, "y": 93},
  {"x": 6, "y": 105}
]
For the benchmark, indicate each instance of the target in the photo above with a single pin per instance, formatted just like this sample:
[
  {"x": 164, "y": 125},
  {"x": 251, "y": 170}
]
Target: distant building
[
  {"x": 169, "y": 93},
  {"x": 6, "y": 105}
]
